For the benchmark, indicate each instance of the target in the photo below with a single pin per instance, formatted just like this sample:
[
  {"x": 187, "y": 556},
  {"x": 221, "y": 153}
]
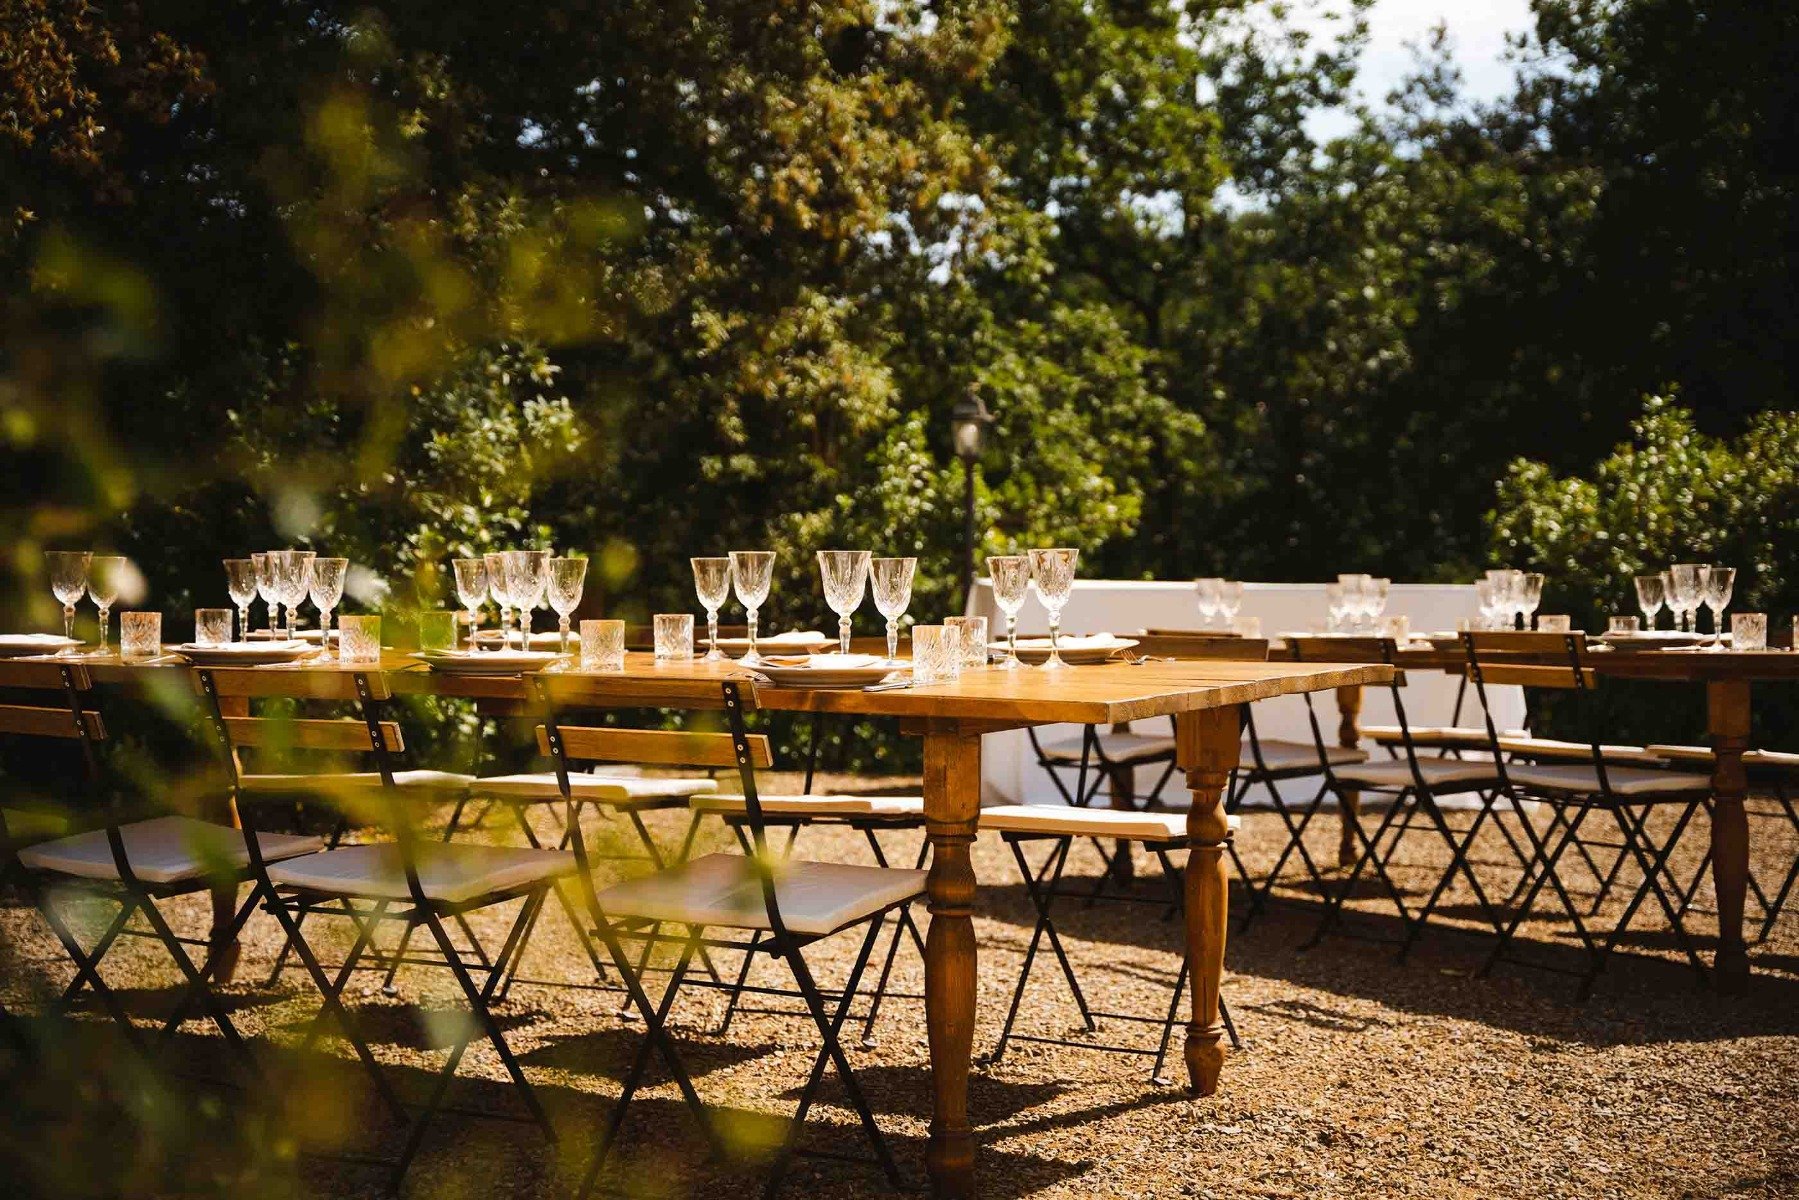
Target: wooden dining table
[
  {"x": 1205, "y": 698},
  {"x": 1728, "y": 678}
]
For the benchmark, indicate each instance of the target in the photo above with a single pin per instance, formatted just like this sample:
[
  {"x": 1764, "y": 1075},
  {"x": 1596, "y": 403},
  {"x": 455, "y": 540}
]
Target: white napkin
[{"x": 827, "y": 662}]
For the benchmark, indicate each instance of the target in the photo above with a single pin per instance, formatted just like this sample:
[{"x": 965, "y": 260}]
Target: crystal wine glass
[
  {"x": 752, "y": 573},
  {"x": 1530, "y": 596},
  {"x": 892, "y": 579},
  {"x": 471, "y": 590},
  {"x": 567, "y": 579},
  {"x": 105, "y": 574},
  {"x": 293, "y": 577},
  {"x": 520, "y": 588},
  {"x": 1205, "y": 592},
  {"x": 500, "y": 586},
  {"x": 1052, "y": 573},
  {"x": 240, "y": 583},
  {"x": 1230, "y": 599},
  {"x": 845, "y": 576},
  {"x": 1716, "y": 584},
  {"x": 1651, "y": 591},
  {"x": 325, "y": 586},
  {"x": 68, "y": 583},
  {"x": 537, "y": 583},
  {"x": 1333, "y": 607},
  {"x": 265, "y": 586},
  {"x": 1487, "y": 600},
  {"x": 712, "y": 583},
  {"x": 1684, "y": 591},
  {"x": 1011, "y": 576}
]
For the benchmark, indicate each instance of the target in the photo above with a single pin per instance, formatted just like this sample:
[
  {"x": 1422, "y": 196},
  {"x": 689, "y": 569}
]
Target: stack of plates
[
  {"x": 1093, "y": 648},
  {"x": 827, "y": 670},
  {"x": 19, "y": 645},
  {"x": 486, "y": 662},
  {"x": 244, "y": 654},
  {"x": 1653, "y": 639}
]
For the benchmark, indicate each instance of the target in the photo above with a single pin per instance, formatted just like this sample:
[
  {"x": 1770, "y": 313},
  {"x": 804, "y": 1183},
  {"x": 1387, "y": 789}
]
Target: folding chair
[
  {"x": 135, "y": 864},
  {"x": 1060, "y": 825},
  {"x": 790, "y": 903},
  {"x": 1574, "y": 791},
  {"x": 409, "y": 879},
  {"x": 1408, "y": 786}
]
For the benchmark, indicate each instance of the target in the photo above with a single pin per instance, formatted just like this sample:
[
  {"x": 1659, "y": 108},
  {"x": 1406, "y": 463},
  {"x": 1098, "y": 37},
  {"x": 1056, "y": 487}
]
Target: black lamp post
[{"x": 969, "y": 420}]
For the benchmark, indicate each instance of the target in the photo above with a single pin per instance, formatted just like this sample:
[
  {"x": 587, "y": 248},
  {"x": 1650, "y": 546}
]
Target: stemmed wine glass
[
  {"x": 1684, "y": 590},
  {"x": 1715, "y": 586},
  {"x": 293, "y": 578},
  {"x": 325, "y": 586},
  {"x": 567, "y": 579},
  {"x": 1206, "y": 597},
  {"x": 68, "y": 582},
  {"x": 521, "y": 588},
  {"x": 892, "y": 579},
  {"x": 265, "y": 585},
  {"x": 1011, "y": 576},
  {"x": 1651, "y": 591},
  {"x": 845, "y": 576},
  {"x": 471, "y": 590},
  {"x": 752, "y": 573},
  {"x": 499, "y": 583},
  {"x": 105, "y": 572},
  {"x": 712, "y": 583},
  {"x": 1529, "y": 596},
  {"x": 1230, "y": 599},
  {"x": 240, "y": 582},
  {"x": 1052, "y": 573},
  {"x": 537, "y": 584}
]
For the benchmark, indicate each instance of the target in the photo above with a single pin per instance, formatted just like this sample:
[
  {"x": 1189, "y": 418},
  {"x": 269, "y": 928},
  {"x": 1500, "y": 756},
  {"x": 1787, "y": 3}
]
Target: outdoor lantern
[{"x": 968, "y": 432}]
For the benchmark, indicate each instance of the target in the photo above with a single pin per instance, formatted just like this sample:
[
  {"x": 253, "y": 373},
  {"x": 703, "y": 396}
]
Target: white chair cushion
[
  {"x": 1441, "y": 774},
  {"x": 1436, "y": 737},
  {"x": 721, "y": 890},
  {"x": 893, "y": 808},
  {"x": 617, "y": 791},
  {"x": 435, "y": 782},
  {"x": 165, "y": 850},
  {"x": 450, "y": 873},
  {"x": 1763, "y": 760},
  {"x": 1118, "y": 747},
  {"x": 1535, "y": 747},
  {"x": 1089, "y": 822},
  {"x": 1625, "y": 781},
  {"x": 1284, "y": 757}
]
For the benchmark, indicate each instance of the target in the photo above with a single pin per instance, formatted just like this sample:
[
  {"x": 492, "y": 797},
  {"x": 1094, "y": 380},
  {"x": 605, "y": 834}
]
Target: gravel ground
[{"x": 1360, "y": 1075}]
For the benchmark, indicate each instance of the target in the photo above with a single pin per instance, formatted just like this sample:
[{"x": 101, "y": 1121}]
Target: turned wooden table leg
[
  {"x": 1728, "y": 719},
  {"x": 1349, "y": 735},
  {"x": 1206, "y": 748},
  {"x": 952, "y": 796}
]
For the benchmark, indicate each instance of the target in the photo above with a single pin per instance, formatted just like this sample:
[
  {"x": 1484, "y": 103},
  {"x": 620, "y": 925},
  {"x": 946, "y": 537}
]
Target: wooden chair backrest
[
  {"x": 306, "y": 683},
  {"x": 1497, "y": 652},
  {"x": 658, "y": 747},
  {"x": 1309, "y": 648},
  {"x": 50, "y": 715},
  {"x": 1197, "y": 646}
]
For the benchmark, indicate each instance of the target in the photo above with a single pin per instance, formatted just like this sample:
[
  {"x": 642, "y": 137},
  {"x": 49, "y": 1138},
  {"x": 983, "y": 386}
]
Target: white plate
[
  {"x": 1094, "y": 648},
  {"x": 304, "y": 635},
  {"x": 486, "y": 662},
  {"x": 491, "y": 637},
  {"x": 18, "y": 645},
  {"x": 828, "y": 671},
  {"x": 1653, "y": 639},
  {"x": 244, "y": 654}
]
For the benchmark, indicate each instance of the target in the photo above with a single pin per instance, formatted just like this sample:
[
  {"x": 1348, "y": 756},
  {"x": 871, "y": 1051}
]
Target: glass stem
[
  {"x": 712, "y": 633},
  {"x": 843, "y": 634},
  {"x": 325, "y": 632},
  {"x": 243, "y": 623},
  {"x": 750, "y": 621},
  {"x": 68, "y": 621},
  {"x": 105, "y": 628},
  {"x": 1055, "y": 626},
  {"x": 1012, "y": 637},
  {"x": 893, "y": 640},
  {"x": 562, "y": 622}
]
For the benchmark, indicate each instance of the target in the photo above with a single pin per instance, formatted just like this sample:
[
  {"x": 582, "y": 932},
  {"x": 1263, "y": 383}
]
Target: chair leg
[
  {"x": 196, "y": 982},
  {"x": 87, "y": 964},
  {"x": 1545, "y": 860},
  {"x": 903, "y": 925},
  {"x": 1786, "y": 886},
  {"x": 1458, "y": 864},
  {"x": 1370, "y": 856},
  {"x": 1654, "y": 868},
  {"x": 1040, "y": 897},
  {"x": 1259, "y": 896}
]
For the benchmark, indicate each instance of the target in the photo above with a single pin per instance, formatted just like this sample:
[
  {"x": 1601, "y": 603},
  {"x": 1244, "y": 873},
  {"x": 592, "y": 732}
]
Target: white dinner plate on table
[
  {"x": 19, "y": 645},
  {"x": 244, "y": 654},
  {"x": 794, "y": 641},
  {"x": 491, "y": 637},
  {"x": 1093, "y": 648},
  {"x": 486, "y": 662},
  {"x": 827, "y": 670},
  {"x": 1653, "y": 639},
  {"x": 304, "y": 635}
]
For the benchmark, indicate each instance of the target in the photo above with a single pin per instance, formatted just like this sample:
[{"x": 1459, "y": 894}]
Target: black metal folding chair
[
  {"x": 415, "y": 881},
  {"x": 1060, "y": 825},
  {"x": 1574, "y": 791},
  {"x": 788, "y": 902},
  {"x": 134, "y": 863}
]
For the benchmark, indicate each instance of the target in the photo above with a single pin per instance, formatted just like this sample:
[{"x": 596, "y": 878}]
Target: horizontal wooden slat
[
  {"x": 309, "y": 734},
  {"x": 1338, "y": 649},
  {"x": 1199, "y": 646},
  {"x": 657, "y": 746},
  {"x": 1532, "y": 676},
  {"x": 1519, "y": 641},
  {"x": 39, "y": 675},
  {"x": 322, "y": 682},
  {"x": 30, "y": 721}
]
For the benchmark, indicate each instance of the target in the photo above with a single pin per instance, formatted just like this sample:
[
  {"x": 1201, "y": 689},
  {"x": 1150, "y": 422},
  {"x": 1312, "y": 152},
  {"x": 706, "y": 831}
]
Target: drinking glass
[
  {"x": 974, "y": 639},
  {"x": 602, "y": 645},
  {"x": 936, "y": 654},
  {"x": 1333, "y": 607},
  {"x": 1624, "y": 624},
  {"x": 845, "y": 576},
  {"x": 1011, "y": 576},
  {"x": 265, "y": 586},
  {"x": 1230, "y": 599},
  {"x": 1684, "y": 591},
  {"x": 499, "y": 585},
  {"x": 1748, "y": 631},
  {"x": 673, "y": 637},
  {"x": 712, "y": 584},
  {"x": 325, "y": 585},
  {"x": 567, "y": 579},
  {"x": 527, "y": 579},
  {"x": 1486, "y": 599},
  {"x": 212, "y": 626},
  {"x": 1557, "y": 623},
  {"x": 1355, "y": 599},
  {"x": 1715, "y": 586},
  {"x": 471, "y": 590},
  {"x": 359, "y": 639},
  {"x": 1052, "y": 573},
  {"x": 1206, "y": 598},
  {"x": 437, "y": 629},
  {"x": 293, "y": 578},
  {"x": 240, "y": 585},
  {"x": 68, "y": 582},
  {"x": 752, "y": 573},
  {"x": 1651, "y": 591},
  {"x": 1398, "y": 628},
  {"x": 892, "y": 578},
  {"x": 1530, "y": 594},
  {"x": 1378, "y": 588},
  {"x": 140, "y": 635},
  {"x": 105, "y": 574}
]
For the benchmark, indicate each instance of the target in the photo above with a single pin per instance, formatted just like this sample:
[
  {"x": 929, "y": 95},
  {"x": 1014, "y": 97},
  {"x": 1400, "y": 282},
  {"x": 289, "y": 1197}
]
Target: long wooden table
[
  {"x": 1206, "y": 699},
  {"x": 1728, "y": 677}
]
